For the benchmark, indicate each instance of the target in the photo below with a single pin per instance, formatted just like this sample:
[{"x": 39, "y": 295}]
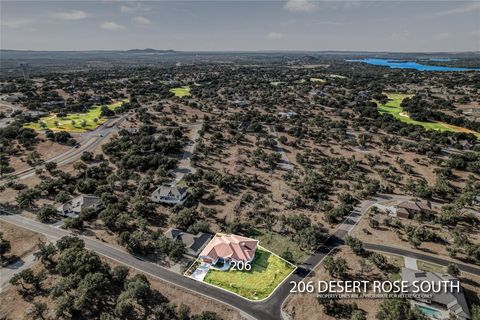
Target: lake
[{"x": 397, "y": 64}]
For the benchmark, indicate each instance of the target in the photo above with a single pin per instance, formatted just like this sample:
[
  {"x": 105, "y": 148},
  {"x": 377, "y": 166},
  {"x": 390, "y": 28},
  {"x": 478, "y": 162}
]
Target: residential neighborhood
[
  {"x": 441, "y": 305},
  {"x": 72, "y": 208},
  {"x": 170, "y": 194},
  {"x": 240, "y": 160}
]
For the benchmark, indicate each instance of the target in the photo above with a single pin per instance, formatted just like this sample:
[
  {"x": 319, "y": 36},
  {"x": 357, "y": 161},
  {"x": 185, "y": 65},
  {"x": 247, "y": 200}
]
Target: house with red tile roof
[{"x": 229, "y": 247}]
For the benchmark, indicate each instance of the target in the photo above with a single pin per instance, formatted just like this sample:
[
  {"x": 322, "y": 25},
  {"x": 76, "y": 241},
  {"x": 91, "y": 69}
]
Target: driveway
[{"x": 200, "y": 273}]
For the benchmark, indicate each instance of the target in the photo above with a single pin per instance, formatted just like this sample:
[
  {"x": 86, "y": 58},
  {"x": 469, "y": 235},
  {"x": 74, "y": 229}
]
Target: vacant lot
[
  {"x": 23, "y": 241},
  {"x": 74, "y": 122},
  {"x": 268, "y": 271},
  {"x": 393, "y": 107},
  {"x": 279, "y": 244},
  {"x": 181, "y": 91}
]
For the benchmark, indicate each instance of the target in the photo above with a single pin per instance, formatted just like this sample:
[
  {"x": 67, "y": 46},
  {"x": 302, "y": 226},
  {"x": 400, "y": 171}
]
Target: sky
[{"x": 228, "y": 25}]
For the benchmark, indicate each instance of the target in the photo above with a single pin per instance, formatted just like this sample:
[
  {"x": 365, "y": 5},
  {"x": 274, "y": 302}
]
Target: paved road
[
  {"x": 185, "y": 165},
  {"x": 6, "y": 273},
  {"x": 284, "y": 161},
  {"x": 420, "y": 256},
  {"x": 89, "y": 142},
  {"x": 242, "y": 305},
  {"x": 269, "y": 309},
  {"x": 13, "y": 107}
]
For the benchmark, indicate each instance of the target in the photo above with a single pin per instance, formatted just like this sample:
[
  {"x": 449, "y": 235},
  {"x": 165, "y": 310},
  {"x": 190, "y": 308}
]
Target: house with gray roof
[
  {"x": 72, "y": 208},
  {"x": 407, "y": 209},
  {"x": 193, "y": 243},
  {"x": 170, "y": 194},
  {"x": 444, "y": 304}
]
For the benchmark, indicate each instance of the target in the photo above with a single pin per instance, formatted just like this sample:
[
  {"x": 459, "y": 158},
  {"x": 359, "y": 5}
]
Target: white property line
[
  {"x": 249, "y": 300},
  {"x": 330, "y": 251},
  {"x": 242, "y": 312}
]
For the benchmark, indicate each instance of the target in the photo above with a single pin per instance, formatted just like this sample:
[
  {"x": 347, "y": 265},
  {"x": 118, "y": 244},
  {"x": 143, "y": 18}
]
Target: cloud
[
  {"x": 443, "y": 36},
  {"x": 401, "y": 35},
  {"x": 462, "y": 9},
  {"x": 16, "y": 23},
  {"x": 300, "y": 6},
  {"x": 133, "y": 8},
  {"x": 274, "y": 35},
  {"x": 142, "y": 20},
  {"x": 112, "y": 26},
  {"x": 475, "y": 33},
  {"x": 71, "y": 15}
]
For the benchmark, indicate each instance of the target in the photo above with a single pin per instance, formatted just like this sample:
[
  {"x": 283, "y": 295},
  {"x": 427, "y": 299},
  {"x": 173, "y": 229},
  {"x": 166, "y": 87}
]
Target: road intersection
[{"x": 270, "y": 308}]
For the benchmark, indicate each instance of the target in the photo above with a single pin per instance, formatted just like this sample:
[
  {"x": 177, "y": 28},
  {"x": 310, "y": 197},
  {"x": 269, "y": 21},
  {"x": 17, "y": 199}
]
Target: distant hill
[{"x": 149, "y": 50}]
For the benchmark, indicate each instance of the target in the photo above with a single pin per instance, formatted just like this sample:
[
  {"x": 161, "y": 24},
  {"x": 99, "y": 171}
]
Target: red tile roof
[{"x": 237, "y": 248}]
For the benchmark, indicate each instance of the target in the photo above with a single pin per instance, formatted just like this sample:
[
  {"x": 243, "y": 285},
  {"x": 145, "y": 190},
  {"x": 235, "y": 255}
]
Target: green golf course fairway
[
  {"x": 268, "y": 271},
  {"x": 52, "y": 122},
  {"x": 181, "y": 92},
  {"x": 393, "y": 107}
]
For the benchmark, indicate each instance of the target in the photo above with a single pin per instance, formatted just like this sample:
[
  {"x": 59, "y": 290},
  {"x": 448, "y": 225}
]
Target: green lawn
[
  {"x": 267, "y": 272},
  {"x": 431, "y": 267},
  {"x": 279, "y": 244},
  {"x": 393, "y": 107},
  {"x": 181, "y": 91},
  {"x": 73, "y": 121}
]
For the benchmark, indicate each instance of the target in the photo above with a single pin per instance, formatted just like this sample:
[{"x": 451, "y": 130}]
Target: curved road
[
  {"x": 268, "y": 309},
  {"x": 89, "y": 142}
]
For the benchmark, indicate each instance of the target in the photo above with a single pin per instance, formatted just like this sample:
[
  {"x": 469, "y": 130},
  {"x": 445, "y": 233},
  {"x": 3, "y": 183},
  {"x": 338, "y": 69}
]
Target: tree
[
  {"x": 177, "y": 250},
  {"x": 378, "y": 260},
  {"x": 355, "y": 244},
  {"x": 453, "y": 269},
  {"x": 475, "y": 312},
  {"x": 37, "y": 310},
  {"x": 45, "y": 253},
  {"x": 335, "y": 267},
  {"x": 90, "y": 292},
  {"x": 73, "y": 223},
  {"x": 374, "y": 224},
  {"x": 106, "y": 112},
  {"x": 183, "y": 312},
  {"x": 5, "y": 246},
  {"x": 185, "y": 218},
  {"x": 311, "y": 237},
  {"x": 64, "y": 307},
  {"x": 86, "y": 156},
  {"x": 119, "y": 275},
  {"x": 365, "y": 267},
  {"x": 27, "y": 197},
  {"x": 288, "y": 255},
  {"x": 62, "y": 197},
  {"x": 206, "y": 315},
  {"x": 50, "y": 166},
  {"x": 78, "y": 261},
  {"x": 70, "y": 242},
  {"x": 358, "y": 315},
  {"x": 46, "y": 213},
  {"x": 394, "y": 309},
  {"x": 29, "y": 282}
]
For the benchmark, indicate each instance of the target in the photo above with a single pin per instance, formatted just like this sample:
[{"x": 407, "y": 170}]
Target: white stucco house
[
  {"x": 170, "y": 194},
  {"x": 72, "y": 208}
]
